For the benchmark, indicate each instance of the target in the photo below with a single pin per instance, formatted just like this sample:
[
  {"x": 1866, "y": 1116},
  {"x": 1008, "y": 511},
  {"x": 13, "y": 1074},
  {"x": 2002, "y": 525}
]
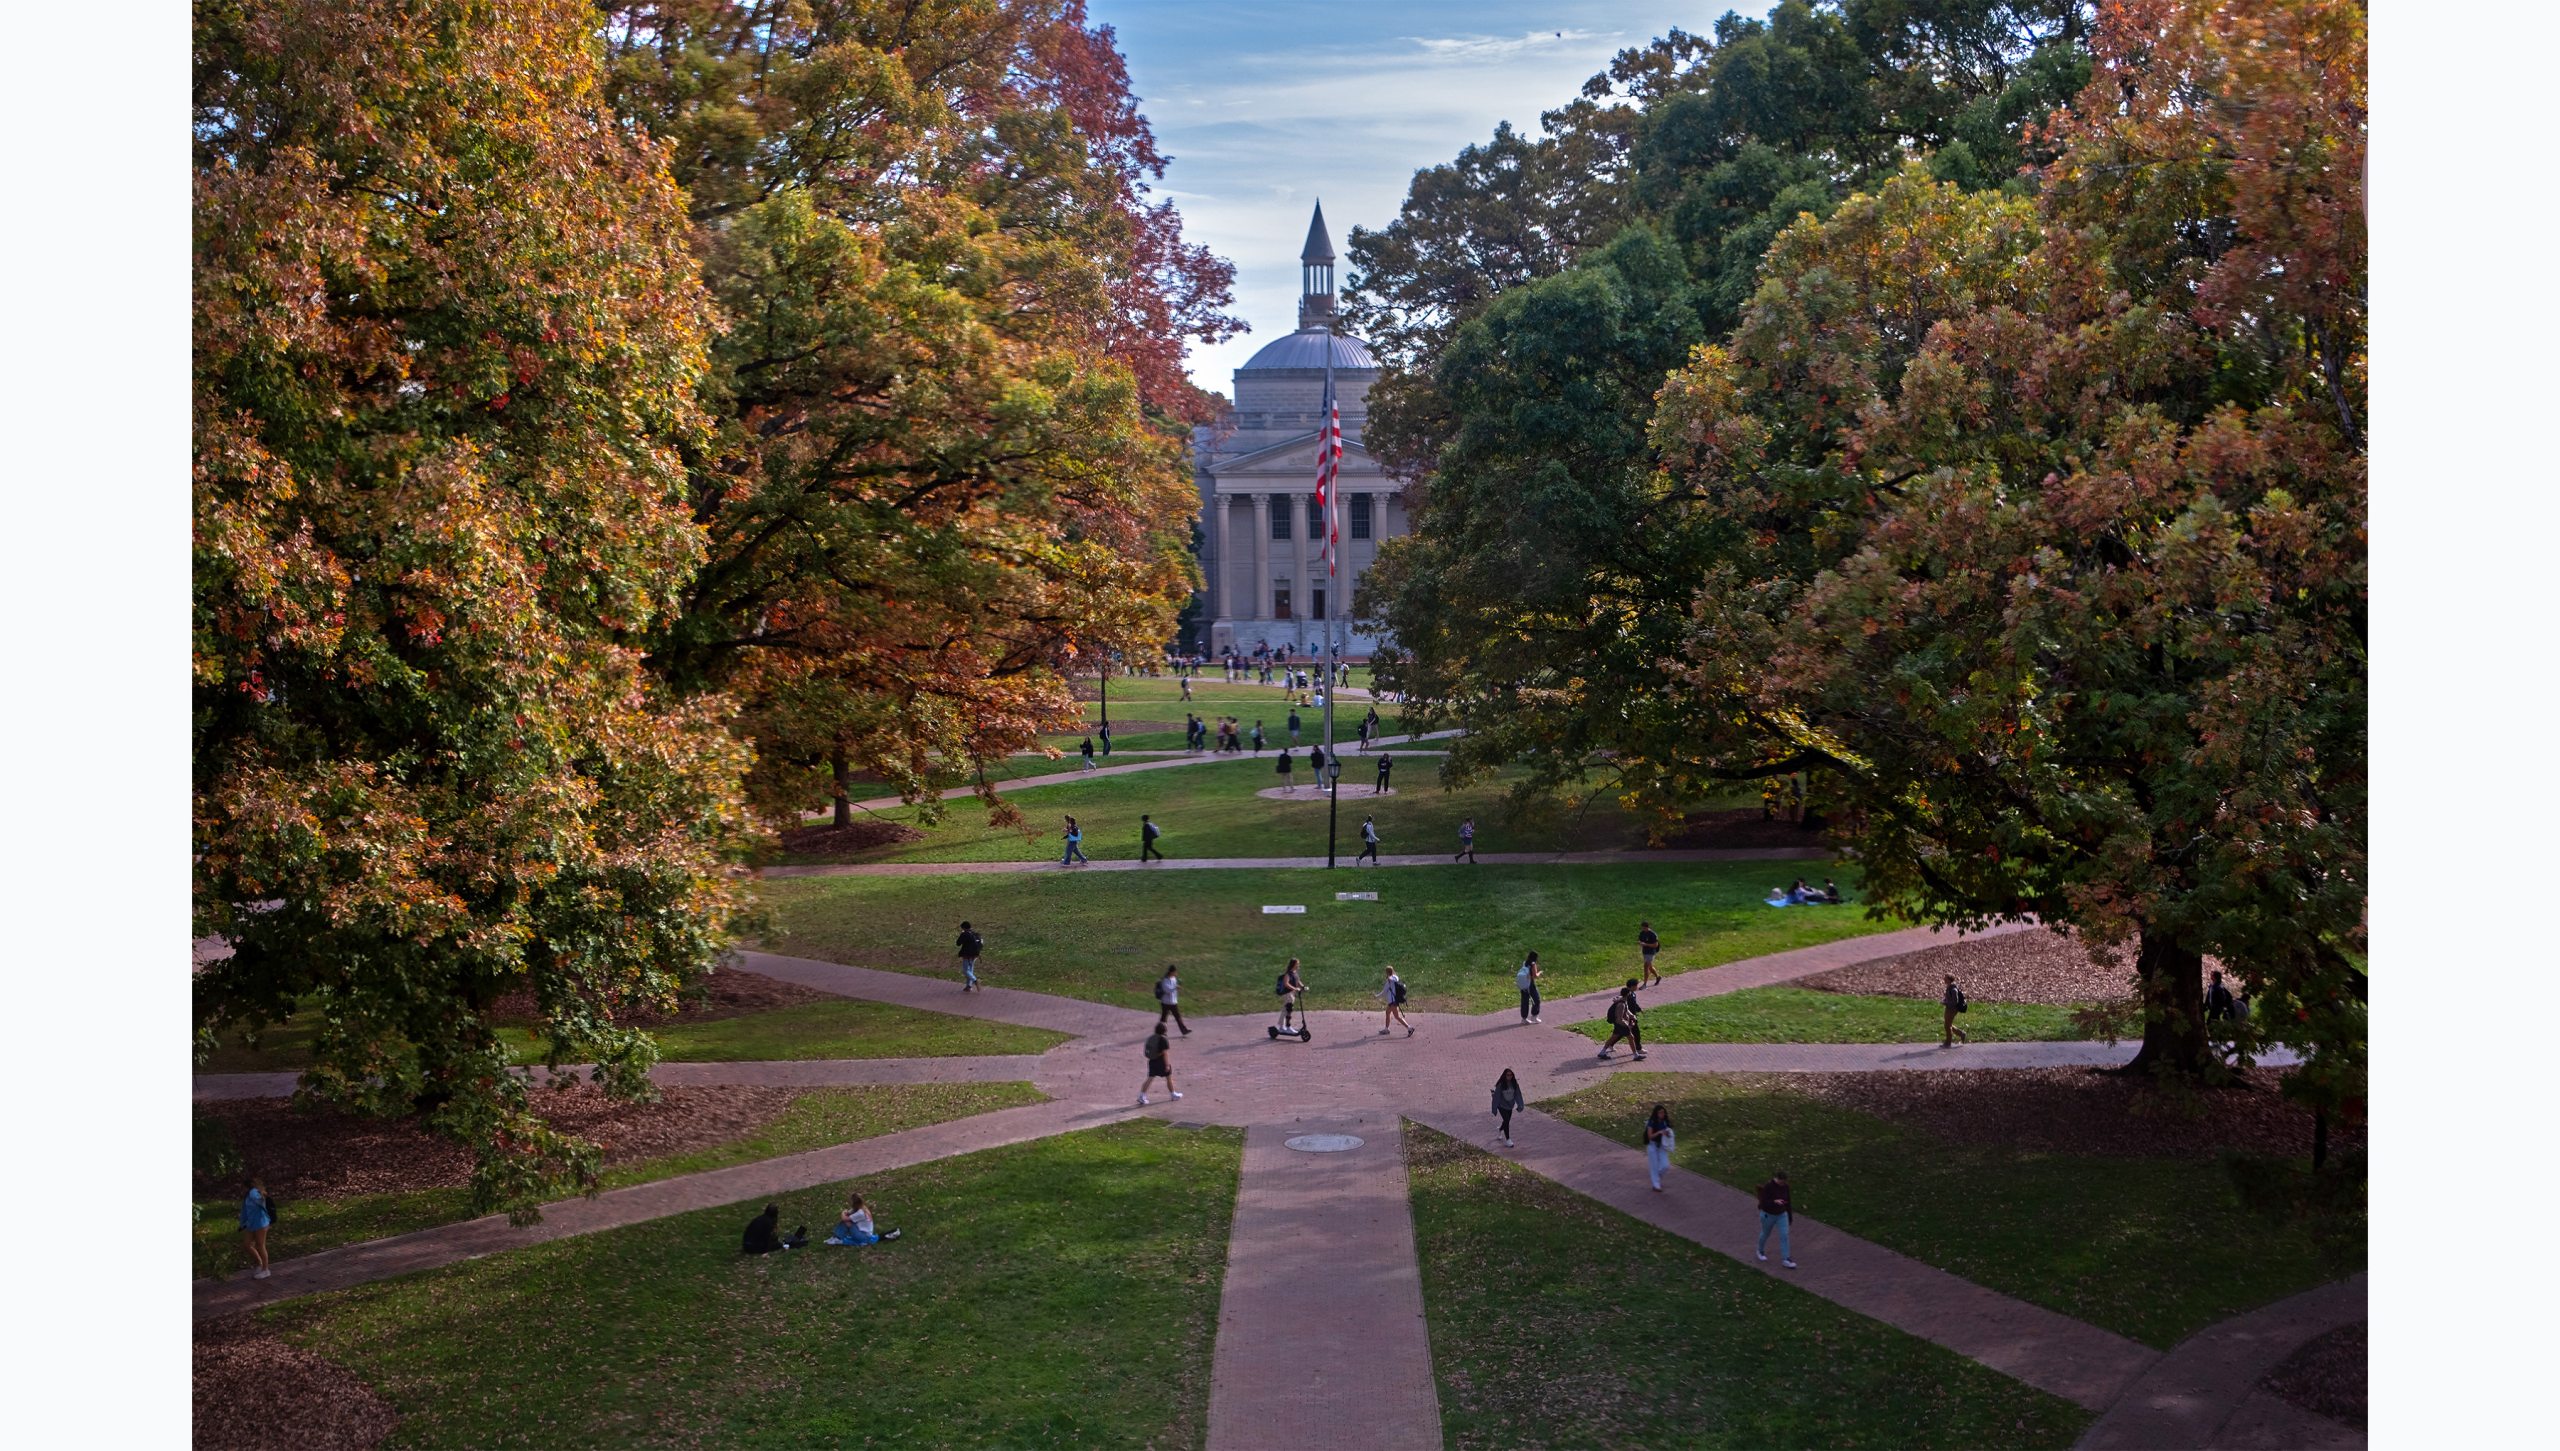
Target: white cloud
[{"x": 1476, "y": 47}]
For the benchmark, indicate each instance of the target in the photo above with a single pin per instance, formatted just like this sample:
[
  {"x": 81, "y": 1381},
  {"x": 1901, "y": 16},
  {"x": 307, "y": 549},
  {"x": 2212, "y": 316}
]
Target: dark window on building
[
  {"x": 1360, "y": 516},
  {"x": 1315, "y": 597},
  {"x": 1282, "y": 507},
  {"x": 1279, "y": 600}
]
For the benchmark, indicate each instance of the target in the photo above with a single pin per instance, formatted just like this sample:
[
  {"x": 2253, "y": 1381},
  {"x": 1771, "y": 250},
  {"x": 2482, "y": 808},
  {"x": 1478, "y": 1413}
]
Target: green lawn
[
  {"x": 2154, "y": 1249},
  {"x": 1557, "y": 1322},
  {"x": 816, "y": 1119},
  {"x": 1455, "y": 935},
  {"x": 1802, "y": 1015},
  {"x": 1142, "y": 700},
  {"x": 1063, "y": 1292},
  {"x": 1212, "y": 811},
  {"x": 831, "y": 1028}
]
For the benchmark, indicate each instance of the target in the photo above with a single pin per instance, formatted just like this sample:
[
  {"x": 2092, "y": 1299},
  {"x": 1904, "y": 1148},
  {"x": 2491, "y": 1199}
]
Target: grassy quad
[
  {"x": 1557, "y": 1322},
  {"x": 1135, "y": 702},
  {"x": 1063, "y": 1292},
  {"x": 1456, "y": 936},
  {"x": 1213, "y": 810},
  {"x": 817, "y": 1119},
  {"x": 831, "y": 1028},
  {"x": 1804, "y": 1015},
  {"x": 2154, "y": 1249}
]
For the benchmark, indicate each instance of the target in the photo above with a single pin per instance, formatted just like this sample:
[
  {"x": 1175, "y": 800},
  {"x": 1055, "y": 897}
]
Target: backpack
[
  {"x": 2240, "y": 1007},
  {"x": 971, "y": 944},
  {"x": 1961, "y": 1004},
  {"x": 1398, "y": 986},
  {"x": 1154, "y": 831},
  {"x": 270, "y": 1201},
  {"x": 1280, "y": 985},
  {"x": 1522, "y": 977},
  {"x": 1617, "y": 1016}
]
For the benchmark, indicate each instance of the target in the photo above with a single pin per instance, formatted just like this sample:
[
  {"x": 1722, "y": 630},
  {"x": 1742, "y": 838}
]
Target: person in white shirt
[{"x": 854, "y": 1228}]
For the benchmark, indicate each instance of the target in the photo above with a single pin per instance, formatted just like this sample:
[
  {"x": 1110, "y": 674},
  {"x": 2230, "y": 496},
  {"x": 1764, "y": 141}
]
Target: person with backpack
[
  {"x": 1169, "y": 1001},
  {"x": 1507, "y": 1101},
  {"x": 1075, "y": 845},
  {"x": 2218, "y": 1001},
  {"x": 1392, "y": 993},
  {"x": 257, "y": 1216},
  {"x": 763, "y": 1237},
  {"x": 1526, "y": 979},
  {"x": 1368, "y": 842},
  {"x": 1648, "y": 944},
  {"x": 1466, "y": 841},
  {"x": 1148, "y": 834},
  {"x": 1622, "y": 1023},
  {"x": 1105, "y": 733},
  {"x": 1257, "y": 739},
  {"x": 1291, "y": 988},
  {"x": 1386, "y": 763},
  {"x": 1657, "y": 1142},
  {"x": 1088, "y": 753},
  {"x": 1159, "y": 1063},
  {"x": 972, "y": 946},
  {"x": 1952, "y": 1000},
  {"x": 1778, "y": 1212}
]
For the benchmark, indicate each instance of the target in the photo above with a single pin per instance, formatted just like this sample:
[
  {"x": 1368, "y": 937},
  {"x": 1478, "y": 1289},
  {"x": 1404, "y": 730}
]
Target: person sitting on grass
[
  {"x": 853, "y": 1227},
  {"x": 1831, "y": 892},
  {"x": 761, "y": 1238}
]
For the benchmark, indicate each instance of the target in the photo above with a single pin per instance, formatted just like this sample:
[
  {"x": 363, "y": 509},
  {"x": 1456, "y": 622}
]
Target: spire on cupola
[{"x": 1315, "y": 270}]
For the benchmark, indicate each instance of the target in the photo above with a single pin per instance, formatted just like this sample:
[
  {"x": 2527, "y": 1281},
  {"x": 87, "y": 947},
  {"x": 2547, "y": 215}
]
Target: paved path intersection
[{"x": 1356, "y": 1332}]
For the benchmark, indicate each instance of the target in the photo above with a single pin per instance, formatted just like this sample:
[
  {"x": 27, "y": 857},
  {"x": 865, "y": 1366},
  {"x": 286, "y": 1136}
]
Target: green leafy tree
[{"x": 447, "y": 336}]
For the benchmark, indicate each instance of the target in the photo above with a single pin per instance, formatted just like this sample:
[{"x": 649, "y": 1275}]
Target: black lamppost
[{"x": 1333, "y": 803}]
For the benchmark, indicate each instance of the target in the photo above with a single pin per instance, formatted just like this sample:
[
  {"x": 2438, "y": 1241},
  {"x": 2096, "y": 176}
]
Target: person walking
[
  {"x": 1392, "y": 993},
  {"x": 972, "y": 947},
  {"x": 1293, "y": 989},
  {"x": 1075, "y": 845},
  {"x": 1622, "y": 1023},
  {"x": 1148, "y": 834},
  {"x": 1159, "y": 1063},
  {"x": 2217, "y": 999},
  {"x": 1315, "y": 765},
  {"x": 257, "y": 1216},
  {"x": 1368, "y": 842},
  {"x": 1186, "y": 685},
  {"x": 1105, "y": 733},
  {"x": 1088, "y": 753},
  {"x": 1952, "y": 1001},
  {"x": 1169, "y": 1001},
  {"x": 1293, "y": 725},
  {"x": 1386, "y": 763},
  {"x": 1284, "y": 766},
  {"x": 1778, "y": 1212},
  {"x": 1257, "y": 738},
  {"x": 1648, "y": 944},
  {"x": 1507, "y": 1101},
  {"x": 1527, "y": 980},
  {"x": 1657, "y": 1142},
  {"x": 1466, "y": 841}
]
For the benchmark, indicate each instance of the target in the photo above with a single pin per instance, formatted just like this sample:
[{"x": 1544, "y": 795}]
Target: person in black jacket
[
  {"x": 1778, "y": 1212},
  {"x": 972, "y": 946},
  {"x": 761, "y": 1238},
  {"x": 1622, "y": 1023},
  {"x": 1506, "y": 1101}
]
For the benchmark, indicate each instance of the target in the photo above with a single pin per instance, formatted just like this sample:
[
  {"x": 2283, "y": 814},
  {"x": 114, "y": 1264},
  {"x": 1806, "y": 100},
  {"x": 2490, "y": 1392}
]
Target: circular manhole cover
[{"x": 1325, "y": 1143}]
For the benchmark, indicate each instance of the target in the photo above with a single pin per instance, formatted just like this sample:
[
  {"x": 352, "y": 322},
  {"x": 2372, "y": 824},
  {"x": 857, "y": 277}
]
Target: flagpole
[{"x": 1325, "y": 441}]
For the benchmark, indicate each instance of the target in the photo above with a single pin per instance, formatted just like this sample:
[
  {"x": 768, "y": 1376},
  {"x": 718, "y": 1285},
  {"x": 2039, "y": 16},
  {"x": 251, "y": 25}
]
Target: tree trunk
[
  {"x": 2173, "y": 1035},
  {"x": 844, "y": 787}
]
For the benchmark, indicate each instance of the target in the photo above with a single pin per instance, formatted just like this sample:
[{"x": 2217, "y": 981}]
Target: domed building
[{"x": 1262, "y": 553}]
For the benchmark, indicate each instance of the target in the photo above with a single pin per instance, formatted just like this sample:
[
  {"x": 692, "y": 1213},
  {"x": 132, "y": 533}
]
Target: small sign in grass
[
  {"x": 1355, "y": 896},
  {"x": 1276, "y": 911}
]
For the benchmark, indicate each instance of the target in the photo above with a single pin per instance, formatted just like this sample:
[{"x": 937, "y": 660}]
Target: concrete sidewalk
[{"x": 1321, "y": 1336}]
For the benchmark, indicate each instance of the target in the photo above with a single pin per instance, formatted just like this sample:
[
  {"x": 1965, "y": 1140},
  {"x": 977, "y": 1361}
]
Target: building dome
[{"x": 1306, "y": 349}]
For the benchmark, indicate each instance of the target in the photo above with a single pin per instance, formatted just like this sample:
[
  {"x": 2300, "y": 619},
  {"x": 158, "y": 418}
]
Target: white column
[
  {"x": 1222, "y": 582},
  {"x": 1261, "y": 558},
  {"x": 1303, "y": 550}
]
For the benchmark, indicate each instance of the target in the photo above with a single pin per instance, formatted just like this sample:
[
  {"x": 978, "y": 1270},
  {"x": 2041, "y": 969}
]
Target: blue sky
[{"x": 1264, "y": 108}]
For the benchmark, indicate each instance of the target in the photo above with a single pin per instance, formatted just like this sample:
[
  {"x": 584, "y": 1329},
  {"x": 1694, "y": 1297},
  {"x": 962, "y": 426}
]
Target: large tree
[
  {"x": 448, "y": 330},
  {"x": 947, "y": 460}
]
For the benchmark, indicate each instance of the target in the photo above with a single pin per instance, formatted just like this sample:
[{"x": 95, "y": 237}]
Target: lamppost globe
[{"x": 1333, "y": 768}]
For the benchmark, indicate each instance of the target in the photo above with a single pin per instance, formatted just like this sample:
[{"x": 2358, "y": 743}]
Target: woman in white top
[{"x": 853, "y": 1227}]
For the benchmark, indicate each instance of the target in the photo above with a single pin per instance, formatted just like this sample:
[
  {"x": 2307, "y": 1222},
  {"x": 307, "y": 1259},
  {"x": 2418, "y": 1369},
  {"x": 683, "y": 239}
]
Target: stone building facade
[{"x": 1261, "y": 553}]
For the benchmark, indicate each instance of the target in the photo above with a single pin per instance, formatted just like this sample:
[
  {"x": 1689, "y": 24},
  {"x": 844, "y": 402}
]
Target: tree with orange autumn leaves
[
  {"x": 608, "y": 418},
  {"x": 2032, "y": 525}
]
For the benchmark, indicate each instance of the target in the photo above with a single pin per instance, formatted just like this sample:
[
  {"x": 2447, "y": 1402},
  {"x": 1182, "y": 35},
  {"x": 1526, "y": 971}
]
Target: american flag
[{"x": 1328, "y": 466}]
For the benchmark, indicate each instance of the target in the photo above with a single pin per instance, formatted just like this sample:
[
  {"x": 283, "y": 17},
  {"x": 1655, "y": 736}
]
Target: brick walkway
[
  {"x": 2204, "y": 1392},
  {"x": 1768, "y": 971},
  {"x": 1350, "y": 848},
  {"x": 1321, "y": 1336}
]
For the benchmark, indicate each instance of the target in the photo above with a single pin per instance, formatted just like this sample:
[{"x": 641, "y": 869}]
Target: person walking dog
[
  {"x": 1778, "y": 1212},
  {"x": 1507, "y": 1101}
]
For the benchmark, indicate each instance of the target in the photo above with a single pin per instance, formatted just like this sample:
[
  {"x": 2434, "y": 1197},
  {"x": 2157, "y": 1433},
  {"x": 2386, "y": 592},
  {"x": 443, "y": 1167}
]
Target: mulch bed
[
  {"x": 318, "y": 1154},
  {"x": 2325, "y": 1376},
  {"x": 727, "y": 993},
  {"x": 2079, "y": 1111},
  {"x": 254, "y": 1391},
  {"x": 1744, "y": 827},
  {"x": 844, "y": 843},
  {"x": 2017, "y": 967}
]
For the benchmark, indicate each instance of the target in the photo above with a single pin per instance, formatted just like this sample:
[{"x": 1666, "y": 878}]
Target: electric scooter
[{"x": 1301, "y": 1032}]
